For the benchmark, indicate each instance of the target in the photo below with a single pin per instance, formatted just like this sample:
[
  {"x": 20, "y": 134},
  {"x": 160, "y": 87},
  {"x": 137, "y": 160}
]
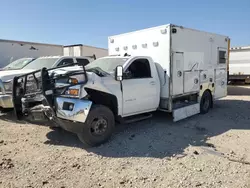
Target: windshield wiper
[{"x": 7, "y": 68}]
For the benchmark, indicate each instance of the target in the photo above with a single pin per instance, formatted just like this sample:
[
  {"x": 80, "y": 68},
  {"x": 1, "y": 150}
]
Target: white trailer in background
[
  {"x": 84, "y": 50},
  {"x": 239, "y": 64},
  {"x": 11, "y": 50}
]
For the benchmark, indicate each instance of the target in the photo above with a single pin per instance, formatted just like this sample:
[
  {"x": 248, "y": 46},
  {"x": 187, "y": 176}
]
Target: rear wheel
[
  {"x": 98, "y": 127},
  {"x": 206, "y": 102}
]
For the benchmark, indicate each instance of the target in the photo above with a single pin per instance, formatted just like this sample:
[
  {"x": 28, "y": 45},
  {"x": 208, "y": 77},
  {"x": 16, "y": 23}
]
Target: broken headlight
[{"x": 8, "y": 86}]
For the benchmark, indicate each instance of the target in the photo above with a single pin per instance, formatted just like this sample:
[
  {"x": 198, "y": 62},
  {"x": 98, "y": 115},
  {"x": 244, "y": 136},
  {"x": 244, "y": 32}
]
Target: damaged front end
[{"x": 52, "y": 95}]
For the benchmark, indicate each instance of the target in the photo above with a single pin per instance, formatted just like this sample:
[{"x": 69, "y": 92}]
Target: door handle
[{"x": 152, "y": 83}]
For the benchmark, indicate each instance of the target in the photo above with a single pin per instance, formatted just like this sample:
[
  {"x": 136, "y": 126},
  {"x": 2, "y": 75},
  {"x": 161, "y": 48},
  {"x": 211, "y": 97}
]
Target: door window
[
  {"x": 222, "y": 57},
  {"x": 82, "y": 61},
  {"x": 66, "y": 62},
  {"x": 139, "y": 68}
]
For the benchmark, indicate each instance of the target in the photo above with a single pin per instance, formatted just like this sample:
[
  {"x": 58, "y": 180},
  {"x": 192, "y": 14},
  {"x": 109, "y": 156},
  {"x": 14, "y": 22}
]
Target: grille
[{"x": 33, "y": 84}]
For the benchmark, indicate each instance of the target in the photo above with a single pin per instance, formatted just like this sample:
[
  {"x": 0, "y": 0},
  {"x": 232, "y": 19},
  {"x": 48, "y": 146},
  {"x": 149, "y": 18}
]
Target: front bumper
[
  {"x": 6, "y": 101},
  {"x": 78, "y": 114},
  {"x": 70, "y": 120}
]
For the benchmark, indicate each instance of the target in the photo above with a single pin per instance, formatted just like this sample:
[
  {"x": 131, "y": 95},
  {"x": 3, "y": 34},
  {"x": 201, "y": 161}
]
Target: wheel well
[
  {"x": 208, "y": 90},
  {"x": 211, "y": 96},
  {"x": 106, "y": 99}
]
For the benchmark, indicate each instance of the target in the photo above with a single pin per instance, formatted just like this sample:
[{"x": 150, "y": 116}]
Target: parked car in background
[
  {"x": 27, "y": 65},
  {"x": 18, "y": 64}
]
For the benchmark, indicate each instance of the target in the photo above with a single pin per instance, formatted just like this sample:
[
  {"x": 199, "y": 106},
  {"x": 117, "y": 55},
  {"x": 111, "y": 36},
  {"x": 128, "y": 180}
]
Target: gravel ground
[{"x": 209, "y": 150}]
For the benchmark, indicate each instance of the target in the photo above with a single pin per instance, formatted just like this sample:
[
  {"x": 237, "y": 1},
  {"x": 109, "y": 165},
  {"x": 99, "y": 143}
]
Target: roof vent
[
  {"x": 155, "y": 44},
  {"x": 144, "y": 45},
  {"x": 164, "y": 31},
  {"x": 125, "y": 47},
  {"x": 117, "y": 49},
  {"x": 134, "y": 47},
  {"x": 112, "y": 40}
]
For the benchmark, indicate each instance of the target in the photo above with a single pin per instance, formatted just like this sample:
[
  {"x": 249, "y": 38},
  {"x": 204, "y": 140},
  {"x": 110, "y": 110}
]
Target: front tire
[
  {"x": 98, "y": 127},
  {"x": 206, "y": 102}
]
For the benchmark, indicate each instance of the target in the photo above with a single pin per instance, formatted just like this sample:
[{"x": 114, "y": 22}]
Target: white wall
[
  {"x": 99, "y": 52},
  {"x": 12, "y": 50},
  {"x": 85, "y": 51}
]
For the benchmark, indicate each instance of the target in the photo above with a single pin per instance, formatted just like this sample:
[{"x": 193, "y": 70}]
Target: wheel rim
[
  {"x": 206, "y": 103},
  {"x": 99, "y": 126}
]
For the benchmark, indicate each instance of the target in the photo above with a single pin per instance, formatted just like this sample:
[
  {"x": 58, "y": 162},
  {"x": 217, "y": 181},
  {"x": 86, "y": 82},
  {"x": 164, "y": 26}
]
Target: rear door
[
  {"x": 140, "y": 88},
  {"x": 221, "y": 74}
]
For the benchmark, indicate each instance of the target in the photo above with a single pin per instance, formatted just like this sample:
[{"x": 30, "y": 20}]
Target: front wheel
[
  {"x": 206, "y": 102},
  {"x": 98, "y": 127}
]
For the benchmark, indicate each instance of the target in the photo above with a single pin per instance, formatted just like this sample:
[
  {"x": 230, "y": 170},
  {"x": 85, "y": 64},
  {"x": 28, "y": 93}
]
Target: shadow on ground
[
  {"x": 10, "y": 117},
  {"x": 238, "y": 90},
  {"x": 160, "y": 137}
]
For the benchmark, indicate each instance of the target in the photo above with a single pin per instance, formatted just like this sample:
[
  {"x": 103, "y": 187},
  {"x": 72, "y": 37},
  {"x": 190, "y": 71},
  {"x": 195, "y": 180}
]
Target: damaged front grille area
[
  {"x": 30, "y": 84},
  {"x": 39, "y": 87}
]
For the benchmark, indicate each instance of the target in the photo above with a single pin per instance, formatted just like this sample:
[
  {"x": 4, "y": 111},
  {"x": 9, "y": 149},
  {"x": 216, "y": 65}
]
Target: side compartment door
[
  {"x": 220, "y": 83},
  {"x": 177, "y": 77},
  {"x": 140, "y": 88},
  {"x": 191, "y": 81}
]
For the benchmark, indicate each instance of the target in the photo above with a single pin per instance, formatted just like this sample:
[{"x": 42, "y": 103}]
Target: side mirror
[{"x": 119, "y": 73}]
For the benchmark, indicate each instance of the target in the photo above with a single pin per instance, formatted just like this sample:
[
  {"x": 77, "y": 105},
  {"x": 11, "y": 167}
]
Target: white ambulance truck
[{"x": 168, "y": 68}]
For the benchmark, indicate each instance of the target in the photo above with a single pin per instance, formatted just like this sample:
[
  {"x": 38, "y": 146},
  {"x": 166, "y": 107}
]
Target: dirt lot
[{"x": 209, "y": 150}]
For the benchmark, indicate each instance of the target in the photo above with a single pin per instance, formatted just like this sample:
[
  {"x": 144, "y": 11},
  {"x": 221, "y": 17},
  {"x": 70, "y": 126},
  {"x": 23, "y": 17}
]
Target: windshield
[
  {"x": 106, "y": 64},
  {"x": 41, "y": 63},
  {"x": 18, "y": 64}
]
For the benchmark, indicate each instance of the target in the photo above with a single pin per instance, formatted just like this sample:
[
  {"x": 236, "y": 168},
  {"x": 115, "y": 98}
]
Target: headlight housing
[
  {"x": 73, "y": 81},
  {"x": 8, "y": 86},
  {"x": 72, "y": 92},
  {"x": 75, "y": 90}
]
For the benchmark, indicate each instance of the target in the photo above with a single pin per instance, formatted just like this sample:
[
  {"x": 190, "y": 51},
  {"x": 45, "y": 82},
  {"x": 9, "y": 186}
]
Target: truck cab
[{"x": 139, "y": 89}]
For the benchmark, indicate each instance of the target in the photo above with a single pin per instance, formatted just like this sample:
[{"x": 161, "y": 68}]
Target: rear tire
[
  {"x": 206, "y": 102},
  {"x": 98, "y": 127}
]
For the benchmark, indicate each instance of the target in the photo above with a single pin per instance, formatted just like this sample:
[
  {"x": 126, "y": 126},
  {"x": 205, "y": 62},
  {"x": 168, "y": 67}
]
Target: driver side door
[{"x": 139, "y": 89}]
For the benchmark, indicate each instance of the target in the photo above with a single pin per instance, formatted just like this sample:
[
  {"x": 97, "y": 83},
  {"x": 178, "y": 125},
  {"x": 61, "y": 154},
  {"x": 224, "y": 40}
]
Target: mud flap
[{"x": 182, "y": 113}]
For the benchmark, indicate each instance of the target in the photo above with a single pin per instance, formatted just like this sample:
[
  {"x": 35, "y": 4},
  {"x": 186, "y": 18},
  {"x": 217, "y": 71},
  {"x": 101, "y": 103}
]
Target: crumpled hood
[
  {"x": 90, "y": 75},
  {"x": 94, "y": 81},
  {"x": 10, "y": 74}
]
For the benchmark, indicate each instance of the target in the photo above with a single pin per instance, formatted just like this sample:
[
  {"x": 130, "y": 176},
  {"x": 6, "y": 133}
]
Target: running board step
[
  {"x": 136, "y": 118},
  {"x": 184, "y": 112}
]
